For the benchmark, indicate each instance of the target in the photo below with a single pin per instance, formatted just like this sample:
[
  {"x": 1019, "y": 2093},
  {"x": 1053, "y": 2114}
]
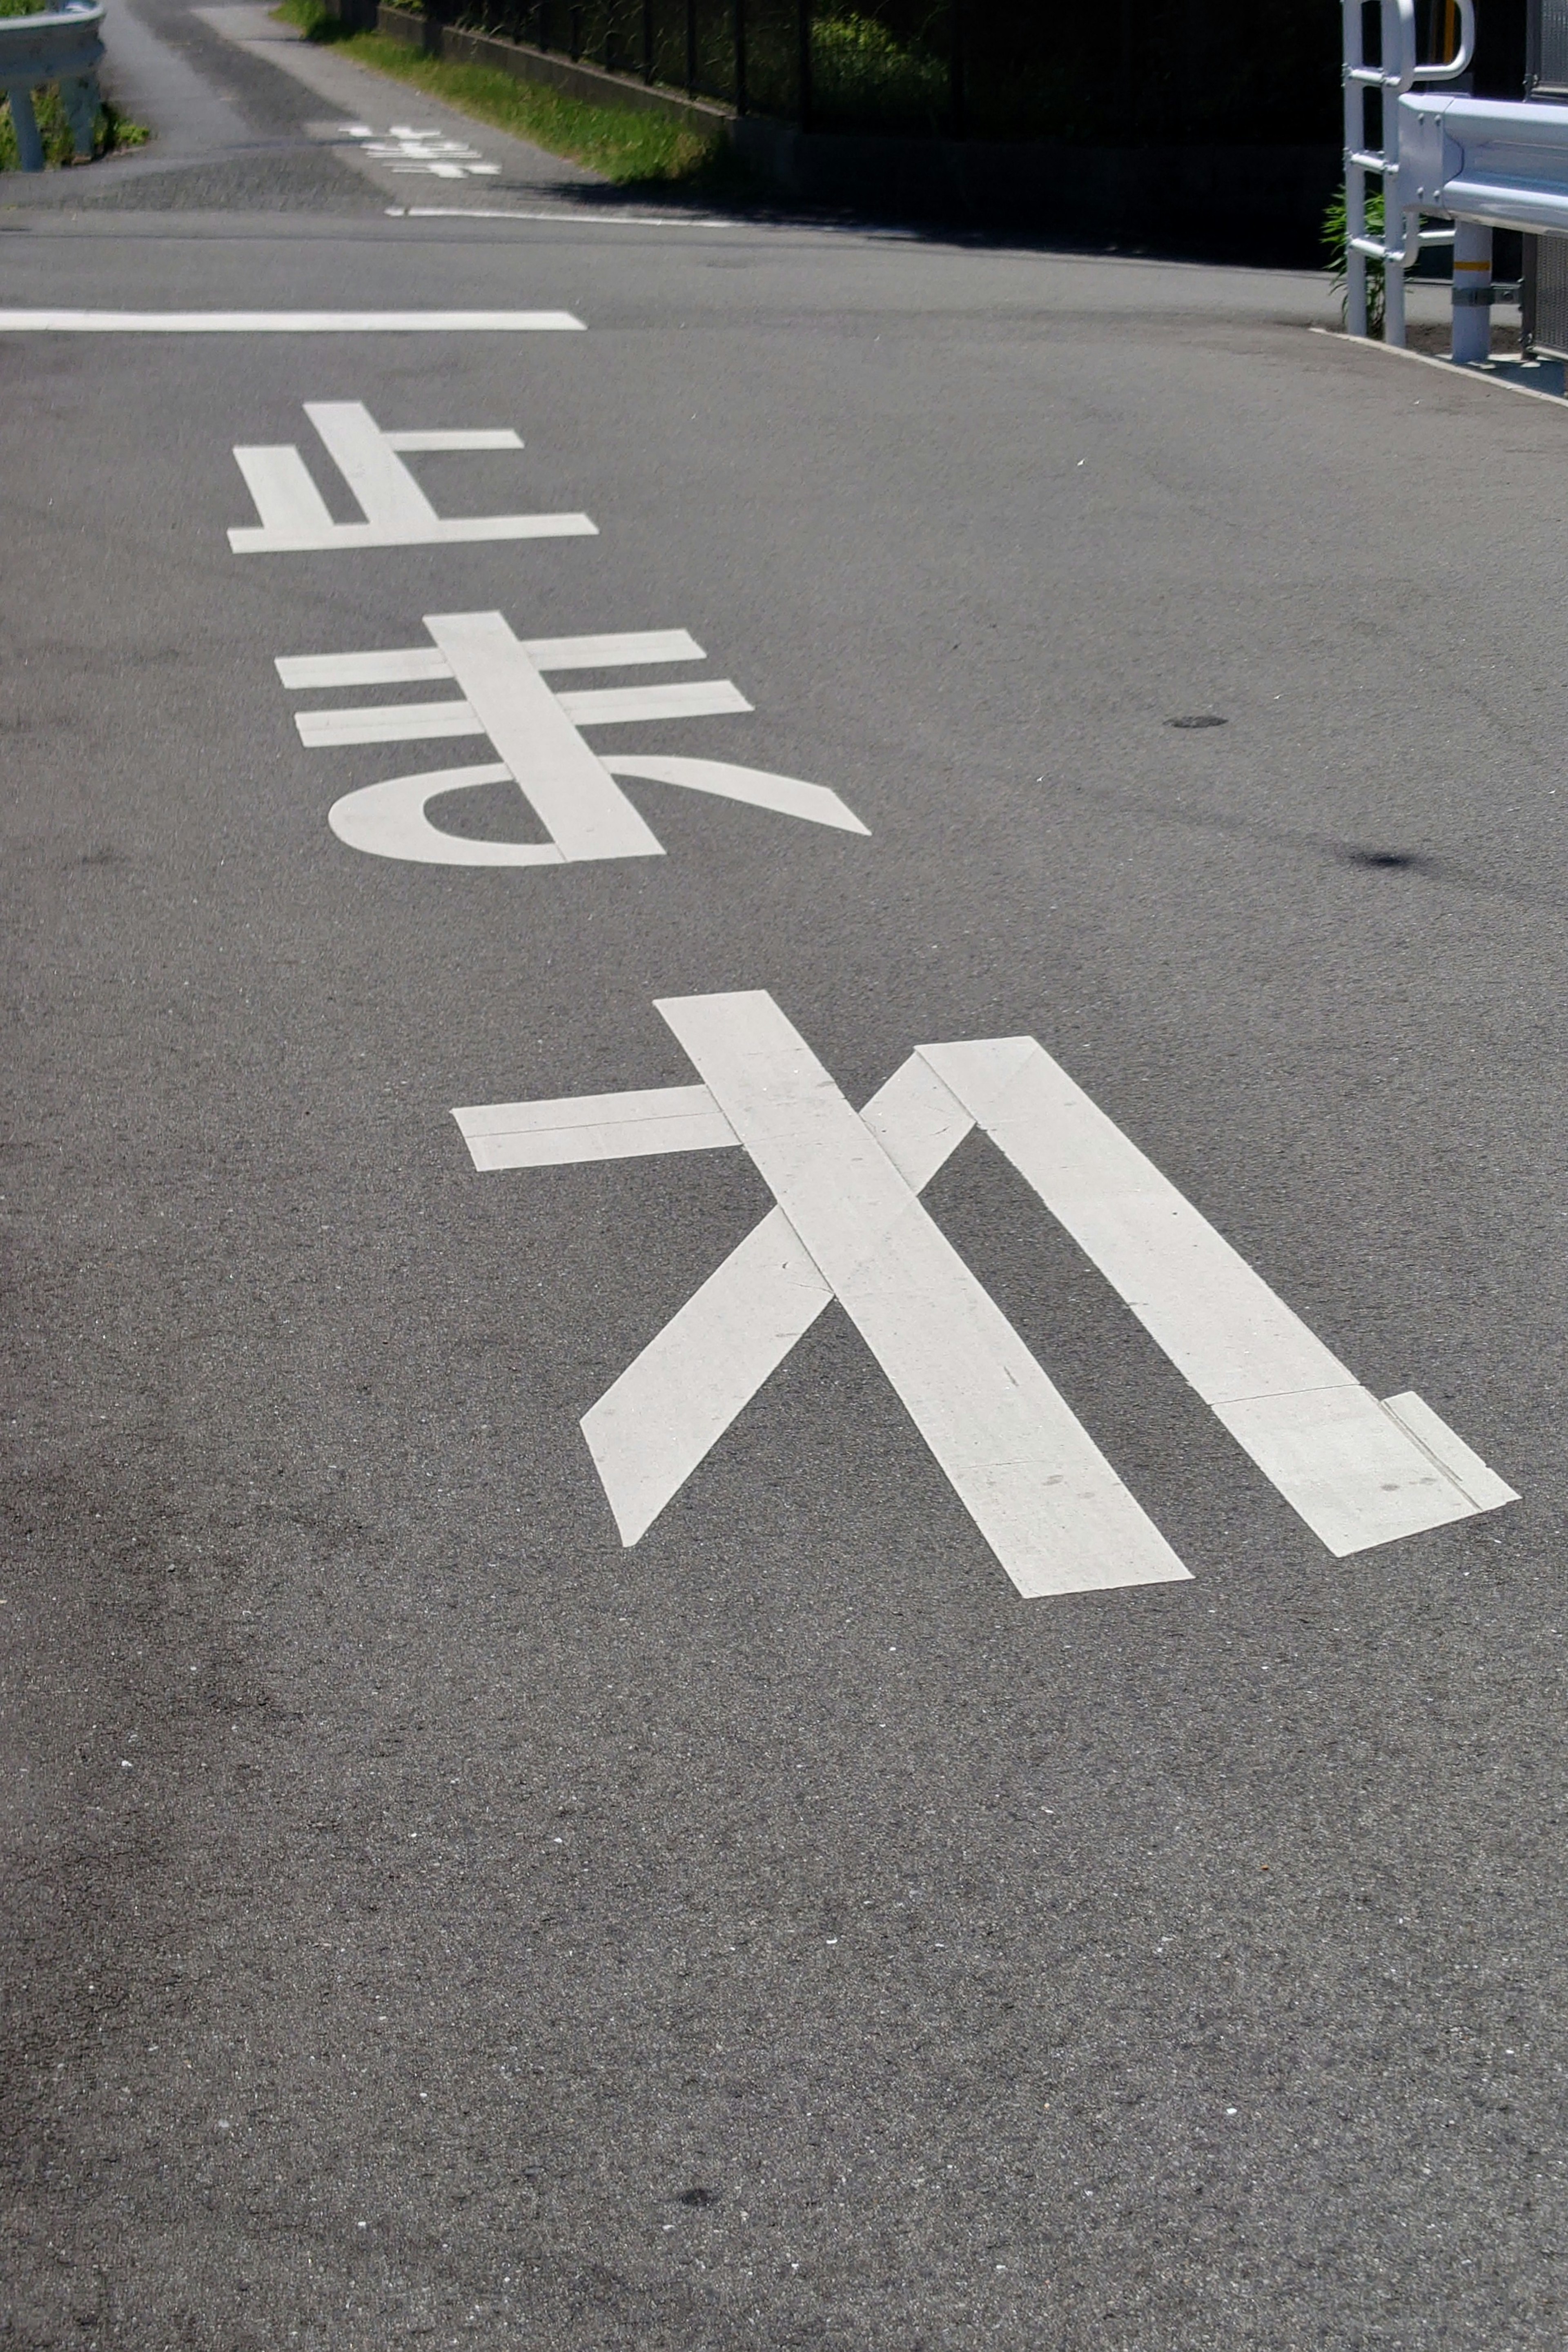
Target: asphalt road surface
[{"x": 430, "y": 1920}]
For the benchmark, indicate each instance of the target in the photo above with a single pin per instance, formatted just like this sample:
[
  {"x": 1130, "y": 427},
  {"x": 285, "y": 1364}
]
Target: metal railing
[{"x": 1397, "y": 70}]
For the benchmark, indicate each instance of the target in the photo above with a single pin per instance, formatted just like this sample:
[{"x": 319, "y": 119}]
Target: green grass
[
  {"x": 112, "y": 130},
  {"x": 627, "y": 146}
]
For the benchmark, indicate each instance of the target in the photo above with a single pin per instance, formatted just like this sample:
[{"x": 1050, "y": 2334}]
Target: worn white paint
[
  {"x": 288, "y": 322},
  {"x": 594, "y": 1127},
  {"x": 296, "y": 519},
  {"x": 1359, "y": 1473},
  {"x": 785, "y": 796},
  {"x": 388, "y": 820},
  {"x": 671, "y": 1405},
  {"x": 535, "y": 729},
  {"x": 580, "y": 804},
  {"x": 1351, "y": 1468}
]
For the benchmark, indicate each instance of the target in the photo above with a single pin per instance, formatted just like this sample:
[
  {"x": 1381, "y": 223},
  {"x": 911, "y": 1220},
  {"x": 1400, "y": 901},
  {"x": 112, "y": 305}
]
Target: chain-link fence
[{"x": 1129, "y": 72}]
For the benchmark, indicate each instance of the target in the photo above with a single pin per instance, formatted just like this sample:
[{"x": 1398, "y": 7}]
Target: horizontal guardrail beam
[
  {"x": 59, "y": 46},
  {"x": 1485, "y": 159}
]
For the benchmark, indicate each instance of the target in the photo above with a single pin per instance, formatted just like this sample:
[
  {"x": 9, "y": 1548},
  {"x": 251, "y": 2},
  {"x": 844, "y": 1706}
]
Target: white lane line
[
  {"x": 653, "y": 1426},
  {"x": 1037, "y": 1485},
  {"x": 572, "y": 218},
  {"x": 594, "y": 1127},
  {"x": 580, "y": 804},
  {"x": 289, "y": 322},
  {"x": 1351, "y": 1469}
]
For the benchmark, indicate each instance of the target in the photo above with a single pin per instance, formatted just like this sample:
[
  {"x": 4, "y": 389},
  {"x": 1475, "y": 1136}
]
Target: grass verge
[
  {"x": 630, "y": 148},
  {"x": 112, "y": 130}
]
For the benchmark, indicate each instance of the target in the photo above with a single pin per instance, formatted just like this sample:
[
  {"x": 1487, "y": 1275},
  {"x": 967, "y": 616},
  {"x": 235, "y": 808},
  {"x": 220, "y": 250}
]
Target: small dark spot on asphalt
[
  {"x": 1398, "y": 860},
  {"x": 1199, "y": 719},
  {"x": 697, "y": 2197},
  {"x": 99, "y": 857}
]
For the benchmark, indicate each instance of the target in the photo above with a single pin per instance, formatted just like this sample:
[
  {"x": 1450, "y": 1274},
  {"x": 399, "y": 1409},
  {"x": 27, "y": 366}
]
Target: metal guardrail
[
  {"x": 1481, "y": 163},
  {"x": 1481, "y": 159},
  {"x": 1398, "y": 68},
  {"x": 61, "y": 45}
]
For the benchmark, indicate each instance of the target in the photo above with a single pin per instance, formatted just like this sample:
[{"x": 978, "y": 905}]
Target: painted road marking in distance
[
  {"x": 535, "y": 732},
  {"x": 295, "y": 518},
  {"x": 289, "y": 322},
  {"x": 404, "y": 148},
  {"x": 1359, "y": 1473},
  {"x": 576, "y": 218}
]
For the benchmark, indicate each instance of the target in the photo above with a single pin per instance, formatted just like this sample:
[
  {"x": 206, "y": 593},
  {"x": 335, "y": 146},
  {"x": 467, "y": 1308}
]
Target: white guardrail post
[
  {"x": 59, "y": 45},
  {"x": 1396, "y": 71}
]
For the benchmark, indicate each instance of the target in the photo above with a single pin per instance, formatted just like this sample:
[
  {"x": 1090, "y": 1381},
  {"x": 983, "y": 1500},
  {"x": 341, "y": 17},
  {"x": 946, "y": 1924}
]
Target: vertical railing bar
[{"x": 1355, "y": 176}]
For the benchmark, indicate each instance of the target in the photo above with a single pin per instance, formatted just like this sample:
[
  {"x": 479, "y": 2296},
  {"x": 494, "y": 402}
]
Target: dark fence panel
[
  {"x": 743, "y": 53},
  {"x": 1124, "y": 73}
]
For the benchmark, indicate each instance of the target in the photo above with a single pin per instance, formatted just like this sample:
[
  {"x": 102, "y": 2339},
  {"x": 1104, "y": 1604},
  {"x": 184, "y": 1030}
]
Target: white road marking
[
  {"x": 594, "y": 1127},
  {"x": 408, "y": 149},
  {"x": 561, "y": 212},
  {"x": 653, "y": 1426},
  {"x": 1359, "y": 1473},
  {"x": 388, "y": 820},
  {"x": 785, "y": 796},
  {"x": 289, "y": 322},
  {"x": 295, "y": 518},
  {"x": 581, "y": 806},
  {"x": 388, "y": 722},
  {"x": 399, "y": 665},
  {"x": 1486, "y": 1490},
  {"x": 536, "y": 731},
  {"x": 1031, "y": 1478},
  {"x": 615, "y": 706},
  {"x": 462, "y": 436},
  {"x": 409, "y": 664},
  {"x": 382, "y": 486},
  {"x": 1347, "y": 1466}
]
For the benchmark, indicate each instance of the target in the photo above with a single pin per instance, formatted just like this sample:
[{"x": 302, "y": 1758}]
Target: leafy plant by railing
[
  {"x": 858, "y": 70},
  {"x": 1336, "y": 239}
]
